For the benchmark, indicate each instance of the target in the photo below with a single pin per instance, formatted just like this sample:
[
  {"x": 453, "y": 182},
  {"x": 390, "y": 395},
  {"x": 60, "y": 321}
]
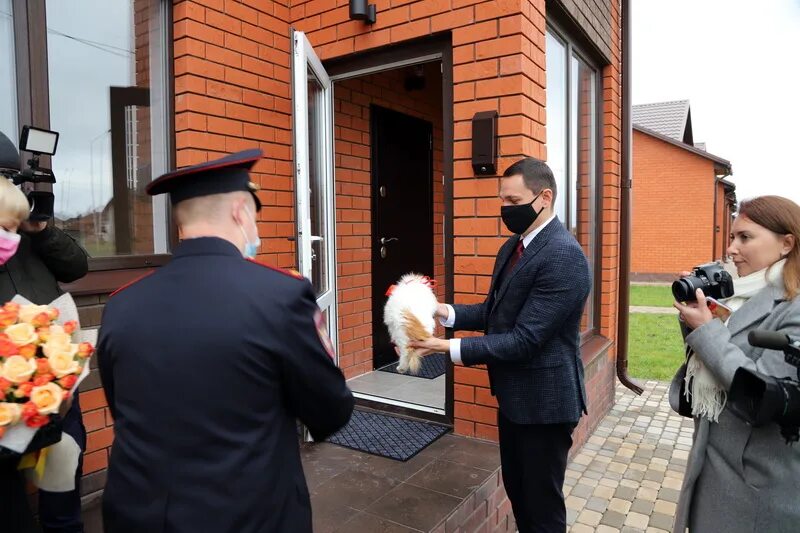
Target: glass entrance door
[{"x": 313, "y": 148}]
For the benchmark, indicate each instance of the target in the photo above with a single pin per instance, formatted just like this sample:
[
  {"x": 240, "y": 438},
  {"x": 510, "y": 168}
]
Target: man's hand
[
  {"x": 430, "y": 345},
  {"x": 441, "y": 311},
  {"x": 32, "y": 227}
]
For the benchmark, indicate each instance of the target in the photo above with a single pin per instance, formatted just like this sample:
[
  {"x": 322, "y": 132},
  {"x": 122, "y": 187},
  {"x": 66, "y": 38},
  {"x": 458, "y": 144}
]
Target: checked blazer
[{"x": 531, "y": 319}]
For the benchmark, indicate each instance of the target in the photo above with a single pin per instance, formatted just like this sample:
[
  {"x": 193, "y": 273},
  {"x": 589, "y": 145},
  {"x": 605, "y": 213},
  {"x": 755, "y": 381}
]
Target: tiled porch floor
[
  {"x": 357, "y": 492},
  {"x": 627, "y": 477},
  {"x": 420, "y": 391}
]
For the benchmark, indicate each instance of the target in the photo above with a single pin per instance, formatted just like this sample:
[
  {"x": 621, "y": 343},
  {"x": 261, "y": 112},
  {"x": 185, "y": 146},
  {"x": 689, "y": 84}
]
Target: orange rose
[
  {"x": 40, "y": 320},
  {"x": 29, "y": 409},
  {"x": 37, "y": 421},
  {"x": 85, "y": 349},
  {"x": 53, "y": 313},
  {"x": 71, "y": 326},
  {"x": 28, "y": 351},
  {"x": 68, "y": 381},
  {"x": 24, "y": 390},
  {"x": 42, "y": 366},
  {"x": 43, "y": 379},
  {"x": 12, "y": 307},
  {"x": 7, "y": 348},
  {"x": 4, "y": 386},
  {"x": 43, "y": 333},
  {"x": 7, "y": 318}
]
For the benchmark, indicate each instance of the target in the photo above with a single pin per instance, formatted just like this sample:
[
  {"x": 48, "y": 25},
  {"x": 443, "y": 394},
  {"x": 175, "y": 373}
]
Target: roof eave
[{"x": 722, "y": 164}]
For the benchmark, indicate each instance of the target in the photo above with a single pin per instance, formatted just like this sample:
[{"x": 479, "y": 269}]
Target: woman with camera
[
  {"x": 34, "y": 258},
  {"x": 738, "y": 477}
]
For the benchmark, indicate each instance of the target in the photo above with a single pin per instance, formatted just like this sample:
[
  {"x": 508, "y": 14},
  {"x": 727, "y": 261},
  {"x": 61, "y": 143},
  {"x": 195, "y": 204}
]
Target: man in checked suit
[{"x": 531, "y": 320}]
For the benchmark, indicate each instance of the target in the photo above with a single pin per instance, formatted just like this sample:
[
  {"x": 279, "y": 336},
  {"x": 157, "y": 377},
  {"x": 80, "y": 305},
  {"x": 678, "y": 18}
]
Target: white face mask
[{"x": 250, "y": 247}]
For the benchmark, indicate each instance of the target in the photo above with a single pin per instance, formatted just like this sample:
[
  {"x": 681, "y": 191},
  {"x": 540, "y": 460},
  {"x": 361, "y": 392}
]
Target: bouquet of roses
[{"x": 40, "y": 368}]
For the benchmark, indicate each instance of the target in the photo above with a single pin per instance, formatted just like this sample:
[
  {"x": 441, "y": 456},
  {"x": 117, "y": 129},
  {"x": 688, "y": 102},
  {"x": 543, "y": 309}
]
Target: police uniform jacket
[{"x": 207, "y": 363}]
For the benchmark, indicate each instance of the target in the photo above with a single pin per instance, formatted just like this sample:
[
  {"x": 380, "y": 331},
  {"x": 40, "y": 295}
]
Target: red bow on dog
[{"x": 425, "y": 279}]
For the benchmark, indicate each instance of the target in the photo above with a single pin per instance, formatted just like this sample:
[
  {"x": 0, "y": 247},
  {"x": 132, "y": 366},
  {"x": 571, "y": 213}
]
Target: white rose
[
  {"x": 63, "y": 363},
  {"x": 9, "y": 413},
  {"x": 18, "y": 370},
  {"x": 47, "y": 398},
  {"x": 22, "y": 334},
  {"x": 61, "y": 343},
  {"x": 28, "y": 312}
]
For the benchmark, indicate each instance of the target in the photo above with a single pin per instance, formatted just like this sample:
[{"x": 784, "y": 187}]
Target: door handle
[{"x": 387, "y": 240}]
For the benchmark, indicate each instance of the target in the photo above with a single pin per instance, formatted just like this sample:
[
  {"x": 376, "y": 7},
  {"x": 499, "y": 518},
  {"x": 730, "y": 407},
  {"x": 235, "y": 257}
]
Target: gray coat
[{"x": 739, "y": 478}]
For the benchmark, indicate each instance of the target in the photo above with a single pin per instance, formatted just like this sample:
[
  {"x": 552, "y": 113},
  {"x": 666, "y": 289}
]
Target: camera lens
[{"x": 683, "y": 289}]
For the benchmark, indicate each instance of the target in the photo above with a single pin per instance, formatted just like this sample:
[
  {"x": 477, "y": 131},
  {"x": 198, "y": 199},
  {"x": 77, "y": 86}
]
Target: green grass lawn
[
  {"x": 655, "y": 346},
  {"x": 652, "y": 295}
]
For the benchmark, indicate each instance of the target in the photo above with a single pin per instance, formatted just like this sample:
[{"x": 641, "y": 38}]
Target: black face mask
[{"x": 519, "y": 218}]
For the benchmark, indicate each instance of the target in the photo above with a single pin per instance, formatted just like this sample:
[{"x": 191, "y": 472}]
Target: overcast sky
[{"x": 737, "y": 63}]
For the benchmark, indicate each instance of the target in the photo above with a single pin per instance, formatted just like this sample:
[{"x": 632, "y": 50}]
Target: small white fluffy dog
[{"x": 409, "y": 316}]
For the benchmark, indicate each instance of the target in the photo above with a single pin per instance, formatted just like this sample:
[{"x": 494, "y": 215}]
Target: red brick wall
[
  {"x": 232, "y": 88},
  {"x": 673, "y": 207},
  {"x": 352, "y": 100},
  {"x": 499, "y": 64},
  {"x": 232, "y": 91}
]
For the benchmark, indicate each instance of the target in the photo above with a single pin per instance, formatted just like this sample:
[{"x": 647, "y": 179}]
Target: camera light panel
[{"x": 38, "y": 141}]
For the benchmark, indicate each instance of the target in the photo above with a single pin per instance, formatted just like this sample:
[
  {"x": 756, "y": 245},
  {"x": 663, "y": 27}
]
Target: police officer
[{"x": 206, "y": 364}]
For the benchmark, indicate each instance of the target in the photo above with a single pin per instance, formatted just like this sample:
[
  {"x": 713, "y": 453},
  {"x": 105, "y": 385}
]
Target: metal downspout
[{"x": 625, "y": 207}]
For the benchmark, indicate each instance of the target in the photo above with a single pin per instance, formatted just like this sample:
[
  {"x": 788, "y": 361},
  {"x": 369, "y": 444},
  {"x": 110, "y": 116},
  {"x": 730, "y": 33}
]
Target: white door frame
[{"x": 305, "y": 61}]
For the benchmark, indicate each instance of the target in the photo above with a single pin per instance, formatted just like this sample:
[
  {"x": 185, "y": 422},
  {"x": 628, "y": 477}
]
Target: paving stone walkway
[{"x": 628, "y": 476}]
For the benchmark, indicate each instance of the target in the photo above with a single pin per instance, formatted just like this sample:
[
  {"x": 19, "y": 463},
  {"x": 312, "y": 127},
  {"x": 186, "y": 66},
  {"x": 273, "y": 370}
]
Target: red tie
[{"x": 512, "y": 262}]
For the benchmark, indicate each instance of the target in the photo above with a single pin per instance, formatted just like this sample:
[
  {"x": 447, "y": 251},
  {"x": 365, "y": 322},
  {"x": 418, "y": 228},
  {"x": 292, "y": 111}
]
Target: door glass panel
[{"x": 317, "y": 188}]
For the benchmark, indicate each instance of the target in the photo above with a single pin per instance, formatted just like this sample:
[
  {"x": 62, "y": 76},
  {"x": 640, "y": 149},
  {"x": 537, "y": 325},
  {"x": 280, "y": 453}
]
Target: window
[
  {"x": 106, "y": 101},
  {"x": 99, "y": 76},
  {"x": 8, "y": 78},
  {"x": 572, "y": 146}
]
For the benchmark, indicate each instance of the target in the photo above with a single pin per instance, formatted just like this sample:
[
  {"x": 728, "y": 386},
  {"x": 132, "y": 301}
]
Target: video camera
[
  {"x": 711, "y": 277},
  {"x": 38, "y": 142},
  {"x": 758, "y": 399}
]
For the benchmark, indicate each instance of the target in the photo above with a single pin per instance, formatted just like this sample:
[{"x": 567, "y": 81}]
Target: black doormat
[
  {"x": 432, "y": 366},
  {"x": 387, "y": 436}
]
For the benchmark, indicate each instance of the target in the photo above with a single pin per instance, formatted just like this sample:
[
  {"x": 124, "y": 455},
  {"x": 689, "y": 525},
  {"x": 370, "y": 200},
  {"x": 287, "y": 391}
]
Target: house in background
[{"x": 681, "y": 202}]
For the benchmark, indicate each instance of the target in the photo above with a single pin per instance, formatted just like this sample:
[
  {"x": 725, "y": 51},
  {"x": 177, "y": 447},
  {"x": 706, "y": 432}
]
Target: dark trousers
[
  {"x": 534, "y": 460},
  {"x": 60, "y": 512}
]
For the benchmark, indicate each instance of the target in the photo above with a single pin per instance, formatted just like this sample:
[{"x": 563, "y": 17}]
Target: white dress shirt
[{"x": 455, "y": 344}]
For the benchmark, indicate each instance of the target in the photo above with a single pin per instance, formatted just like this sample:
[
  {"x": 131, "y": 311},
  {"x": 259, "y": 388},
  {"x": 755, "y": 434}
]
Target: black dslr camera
[
  {"x": 38, "y": 142},
  {"x": 758, "y": 399},
  {"x": 711, "y": 277}
]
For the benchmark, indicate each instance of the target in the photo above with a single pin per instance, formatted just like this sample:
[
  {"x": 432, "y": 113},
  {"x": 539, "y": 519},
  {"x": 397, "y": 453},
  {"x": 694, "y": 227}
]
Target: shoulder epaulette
[
  {"x": 285, "y": 271},
  {"x": 136, "y": 280}
]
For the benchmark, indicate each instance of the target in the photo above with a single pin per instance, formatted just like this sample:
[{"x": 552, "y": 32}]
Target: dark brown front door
[{"x": 402, "y": 211}]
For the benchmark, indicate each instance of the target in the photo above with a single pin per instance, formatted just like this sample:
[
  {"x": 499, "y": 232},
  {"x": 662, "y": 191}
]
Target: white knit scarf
[{"x": 703, "y": 390}]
